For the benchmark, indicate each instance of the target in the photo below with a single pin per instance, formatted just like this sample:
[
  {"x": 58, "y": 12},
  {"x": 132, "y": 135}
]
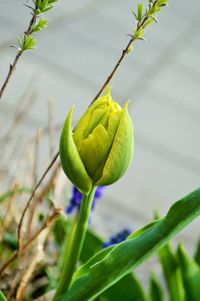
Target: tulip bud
[{"x": 100, "y": 149}]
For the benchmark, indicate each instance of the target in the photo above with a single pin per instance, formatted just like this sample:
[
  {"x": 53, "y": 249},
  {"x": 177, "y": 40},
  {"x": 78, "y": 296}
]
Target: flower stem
[{"x": 73, "y": 245}]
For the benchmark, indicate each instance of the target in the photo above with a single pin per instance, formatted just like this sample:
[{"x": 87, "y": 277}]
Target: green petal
[
  {"x": 121, "y": 152},
  {"x": 97, "y": 116},
  {"x": 94, "y": 149},
  {"x": 84, "y": 122},
  {"x": 70, "y": 159}
]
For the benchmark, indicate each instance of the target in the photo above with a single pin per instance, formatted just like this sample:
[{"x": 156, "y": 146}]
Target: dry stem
[
  {"x": 44, "y": 191},
  {"x": 34, "y": 261},
  {"x": 52, "y": 215}
]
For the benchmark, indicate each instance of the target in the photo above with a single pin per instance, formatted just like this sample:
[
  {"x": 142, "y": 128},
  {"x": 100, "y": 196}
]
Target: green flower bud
[{"x": 100, "y": 149}]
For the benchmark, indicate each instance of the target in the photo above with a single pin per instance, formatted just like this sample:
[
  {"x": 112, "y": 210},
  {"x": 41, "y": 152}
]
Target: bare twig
[
  {"x": 38, "y": 8},
  {"x": 40, "y": 197},
  {"x": 36, "y": 156},
  {"x": 34, "y": 178},
  {"x": 121, "y": 58},
  {"x": 10, "y": 72},
  {"x": 32, "y": 196},
  {"x": 52, "y": 215},
  {"x": 124, "y": 53},
  {"x": 50, "y": 127}
]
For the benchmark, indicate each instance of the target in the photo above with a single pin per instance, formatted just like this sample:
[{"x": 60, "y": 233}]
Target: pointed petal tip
[
  {"x": 125, "y": 107},
  {"x": 108, "y": 89}
]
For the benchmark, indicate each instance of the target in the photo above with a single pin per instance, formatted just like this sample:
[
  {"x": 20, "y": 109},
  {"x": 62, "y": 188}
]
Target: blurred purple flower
[
  {"x": 75, "y": 201},
  {"x": 117, "y": 238}
]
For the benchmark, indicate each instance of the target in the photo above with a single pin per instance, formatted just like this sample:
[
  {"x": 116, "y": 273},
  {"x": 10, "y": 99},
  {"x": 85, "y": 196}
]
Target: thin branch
[
  {"x": 38, "y": 9},
  {"x": 40, "y": 197},
  {"x": 36, "y": 157},
  {"x": 19, "y": 53},
  {"x": 50, "y": 127},
  {"x": 34, "y": 178},
  {"x": 124, "y": 53},
  {"x": 121, "y": 58},
  {"x": 10, "y": 72},
  {"x": 32, "y": 196}
]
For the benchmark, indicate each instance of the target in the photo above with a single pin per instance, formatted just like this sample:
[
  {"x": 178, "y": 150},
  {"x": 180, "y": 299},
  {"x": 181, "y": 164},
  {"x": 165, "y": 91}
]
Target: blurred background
[{"x": 74, "y": 56}]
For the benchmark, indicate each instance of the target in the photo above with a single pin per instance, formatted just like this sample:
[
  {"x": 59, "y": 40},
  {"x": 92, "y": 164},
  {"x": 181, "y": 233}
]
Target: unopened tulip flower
[{"x": 100, "y": 149}]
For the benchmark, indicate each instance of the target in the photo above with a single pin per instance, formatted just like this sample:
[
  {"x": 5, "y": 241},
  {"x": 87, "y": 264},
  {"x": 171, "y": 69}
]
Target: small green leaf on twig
[
  {"x": 42, "y": 6},
  {"x": 27, "y": 42},
  {"x": 140, "y": 10},
  {"x": 139, "y": 33},
  {"x": 163, "y": 2},
  {"x": 130, "y": 49},
  {"x": 149, "y": 21},
  {"x": 46, "y": 8},
  {"x": 52, "y": 1},
  {"x": 40, "y": 25},
  {"x": 135, "y": 15},
  {"x": 144, "y": 19}
]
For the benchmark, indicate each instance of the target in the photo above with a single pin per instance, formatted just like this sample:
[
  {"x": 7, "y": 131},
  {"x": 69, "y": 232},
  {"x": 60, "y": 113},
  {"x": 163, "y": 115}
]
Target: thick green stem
[{"x": 73, "y": 245}]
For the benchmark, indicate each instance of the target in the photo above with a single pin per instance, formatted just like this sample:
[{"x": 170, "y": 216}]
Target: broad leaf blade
[
  {"x": 128, "y": 288},
  {"x": 131, "y": 253}
]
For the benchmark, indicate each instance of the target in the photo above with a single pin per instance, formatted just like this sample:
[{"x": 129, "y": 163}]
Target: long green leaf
[
  {"x": 197, "y": 253},
  {"x": 191, "y": 275},
  {"x": 101, "y": 254},
  {"x": 155, "y": 291},
  {"x": 131, "y": 253},
  {"x": 172, "y": 273}
]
